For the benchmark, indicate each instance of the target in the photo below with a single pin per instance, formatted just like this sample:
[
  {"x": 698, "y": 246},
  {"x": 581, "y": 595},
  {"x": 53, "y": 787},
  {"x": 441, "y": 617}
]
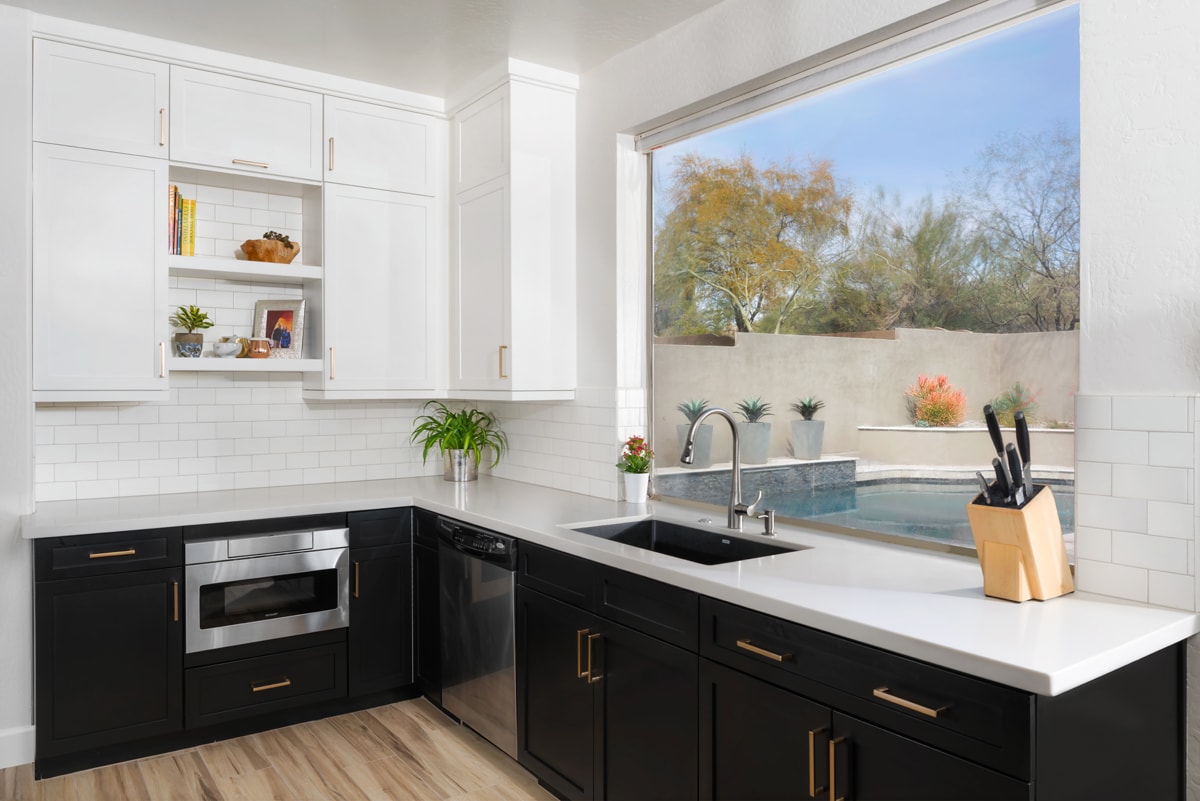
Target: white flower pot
[
  {"x": 755, "y": 441},
  {"x": 806, "y": 438},
  {"x": 637, "y": 486},
  {"x": 702, "y": 446}
]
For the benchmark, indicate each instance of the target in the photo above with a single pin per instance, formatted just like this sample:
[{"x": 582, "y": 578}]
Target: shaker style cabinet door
[
  {"x": 239, "y": 124},
  {"x": 99, "y": 275},
  {"x": 383, "y": 148},
  {"x": 91, "y": 98},
  {"x": 481, "y": 357},
  {"x": 481, "y": 141},
  {"x": 383, "y": 330}
]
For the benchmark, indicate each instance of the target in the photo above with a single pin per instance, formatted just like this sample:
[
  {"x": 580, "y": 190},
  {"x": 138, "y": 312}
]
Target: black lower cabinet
[
  {"x": 427, "y": 618},
  {"x": 109, "y": 655},
  {"x": 604, "y": 711},
  {"x": 380, "y": 635}
]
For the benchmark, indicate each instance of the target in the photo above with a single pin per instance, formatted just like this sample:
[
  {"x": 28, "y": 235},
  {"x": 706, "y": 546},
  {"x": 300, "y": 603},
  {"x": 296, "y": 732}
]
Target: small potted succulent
[
  {"x": 273, "y": 247},
  {"x": 807, "y": 433},
  {"x": 191, "y": 319},
  {"x": 635, "y": 468},
  {"x": 753, "y": 432},
  {"x": 461, "y": 437},
  {"x": 703, "y": 444}
]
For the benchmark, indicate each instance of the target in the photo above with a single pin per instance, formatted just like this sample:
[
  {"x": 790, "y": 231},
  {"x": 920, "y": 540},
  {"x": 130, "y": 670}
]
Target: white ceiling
[{"x": 425, "y": 46}]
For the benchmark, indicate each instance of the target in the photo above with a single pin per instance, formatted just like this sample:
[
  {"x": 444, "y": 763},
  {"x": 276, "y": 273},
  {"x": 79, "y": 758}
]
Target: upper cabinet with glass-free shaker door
[
  {"x": 238, "y": 124},
  {"x": 100, "y": 100},
  {"x": 384, "y": 148},
  {"x": 99, "y": 275}
]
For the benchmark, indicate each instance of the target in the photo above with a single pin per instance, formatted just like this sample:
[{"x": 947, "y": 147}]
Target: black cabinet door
[
  {"x": 554, "y": 702},
  {"x": 427, "y": 620},
  {"x": 758, "y": 741},
  {"x": 380, "y": 636},
  {"x": 109, "y": 660},
  {"x": 647, "y": 720},
  {"x": 873, "y": 764}
]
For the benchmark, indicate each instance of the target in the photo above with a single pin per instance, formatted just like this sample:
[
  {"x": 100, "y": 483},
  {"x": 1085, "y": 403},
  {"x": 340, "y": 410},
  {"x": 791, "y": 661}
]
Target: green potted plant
[
  {"x": 753, "y": 432},
  {"x": 807, "y": 434},
  {"x": 191, "y": 319},
  {"x": 461, "y": 437},
  {"x": 634, "y": 465},
  {"x": 703, "y": 443}
]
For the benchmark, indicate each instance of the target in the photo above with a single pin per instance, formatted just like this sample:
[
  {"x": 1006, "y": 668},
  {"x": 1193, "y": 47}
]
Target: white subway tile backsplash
[
  {"x": 1093, "y": 543},
  {"x": 252, "y": 200},
  {"x": 1117, "y": 447},
  {"x": 1098, "y": 511},
  {"x": 1172, "y": 589},
  {"x": 1093, "y": 411},
  {"x": 76, "y": 471},
  {"x": 1106, "y": 578},
  {"x": 286, "y": 203},
  {"x": 1156, "y": 553},
  {"x": 214, "y": 195},
  {"x": 1093, "y": 478},
  {"x": 1150, "y": 413},
  {"x": 98, "y": 452},
  {"x": 1151, "y": 483},
  {"x": 1176, "y": 520},
  {"x": 1172, "y": 450}
]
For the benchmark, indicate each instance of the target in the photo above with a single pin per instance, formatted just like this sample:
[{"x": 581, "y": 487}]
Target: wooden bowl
[{"x": 271, "y": 250}]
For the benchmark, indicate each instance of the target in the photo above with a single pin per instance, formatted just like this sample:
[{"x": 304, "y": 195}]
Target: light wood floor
[{"x": 407, "y": 750}]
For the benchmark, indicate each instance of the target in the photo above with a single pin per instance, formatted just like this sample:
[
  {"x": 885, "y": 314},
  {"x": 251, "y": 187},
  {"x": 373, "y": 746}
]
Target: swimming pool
[{"x": 932, "y": 510}]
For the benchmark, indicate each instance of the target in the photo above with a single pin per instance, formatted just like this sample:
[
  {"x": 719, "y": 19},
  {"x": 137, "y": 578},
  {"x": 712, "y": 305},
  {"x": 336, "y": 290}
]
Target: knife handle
[
  {"x": 1001, "y": 478},
  {"x": 993, "y": 427},
  {"x": 1022, "y": 426},
  {"x": 1014, "y": 466}
]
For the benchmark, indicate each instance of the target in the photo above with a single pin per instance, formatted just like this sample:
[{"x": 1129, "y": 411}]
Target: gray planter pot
[
  {"x": 807, "y": 436},
  {"x": 703, "y": 445},
  {"x": 755, "y": 439},
  {"x": 189, "y": 345},
  {"x": 457, "y": 465}
]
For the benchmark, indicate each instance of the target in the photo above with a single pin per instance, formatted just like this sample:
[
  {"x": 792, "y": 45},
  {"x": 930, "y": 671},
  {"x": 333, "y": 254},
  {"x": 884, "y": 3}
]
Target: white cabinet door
[
  {"x": 383, "y": 148},
  {"x": 383, "y": 296},
  {"x": 481, "y": 140},
  {"x": 99, "y": 274},
  {"x": 481, "y": 356},
  {"x": 100, "y": 100},
  {"x": 234, "y": 123}
]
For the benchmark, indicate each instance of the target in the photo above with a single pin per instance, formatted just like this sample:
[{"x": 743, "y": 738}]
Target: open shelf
[
  {"x": 210, "y": 364},
  {"x": 259, "y": 272}
]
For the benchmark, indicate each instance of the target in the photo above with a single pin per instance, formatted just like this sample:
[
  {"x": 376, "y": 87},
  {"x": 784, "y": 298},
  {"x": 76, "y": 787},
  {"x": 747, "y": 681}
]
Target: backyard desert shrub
[
  {"x": 935, "y": 402},
  {"x": 1012, "y": 400}
]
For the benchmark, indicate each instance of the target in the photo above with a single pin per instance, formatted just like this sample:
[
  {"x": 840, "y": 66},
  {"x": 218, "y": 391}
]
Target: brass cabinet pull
[
  {"x": 883, "y": 694},
  {"x": 107, "y": 554},
  {"x": 331, "y": 154},
  {"x": 162, "y": 359},
  {"x": 262, "y": 164},
  {"x": 812, "y": 762},
  {"x": 747, "y": 645},
  {"x": 579, "y": 674},
  {"x": 833, "y": 794},
  {"x": 331, "y": 367},
  {"x": 502, "y": 349},
  {"x": 356, "y": 579},
  {"x": 162, "y": 127},
  {"x": 258, "y": 688},
  {"x": 590, "y": 678},
  {"x": 175, "y": 601}
]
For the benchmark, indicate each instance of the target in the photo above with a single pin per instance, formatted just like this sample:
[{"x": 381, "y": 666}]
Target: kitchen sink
[{"x": 704, "y": 545}]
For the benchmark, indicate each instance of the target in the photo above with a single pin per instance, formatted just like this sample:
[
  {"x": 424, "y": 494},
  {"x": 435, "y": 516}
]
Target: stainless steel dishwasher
[{"x": 479, "y": 679}]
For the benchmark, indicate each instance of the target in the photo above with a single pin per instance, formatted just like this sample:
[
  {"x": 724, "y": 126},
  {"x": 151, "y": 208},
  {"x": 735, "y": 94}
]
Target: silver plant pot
[{"x": 458, "y": 465}]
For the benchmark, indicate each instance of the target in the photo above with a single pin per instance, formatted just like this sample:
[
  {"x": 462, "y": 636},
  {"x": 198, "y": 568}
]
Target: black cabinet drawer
[
  {"x": 975, "y": 718},
  {"x": 651, "y": 607},
  {"x": 380, "y": 527},
  {"x": 103, "y": 554},
  {"x": 559, "y": 575},
  {"x": 246, "y": 687}
]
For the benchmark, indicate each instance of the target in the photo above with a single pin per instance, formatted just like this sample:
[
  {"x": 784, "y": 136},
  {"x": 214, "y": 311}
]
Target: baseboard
[{"x": 16, "y": 746}]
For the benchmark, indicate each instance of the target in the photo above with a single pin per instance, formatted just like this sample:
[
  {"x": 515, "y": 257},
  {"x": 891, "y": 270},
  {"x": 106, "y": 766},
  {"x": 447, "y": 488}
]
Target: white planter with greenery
[
  {"x": 808, "y": 434},
  {"x": 702, "y": 444},
  {"x": 754, "y": 434}
]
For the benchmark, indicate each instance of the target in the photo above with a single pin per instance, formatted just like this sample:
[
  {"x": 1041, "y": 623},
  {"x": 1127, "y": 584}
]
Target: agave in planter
[
  {"x": 703, "y": 443},
  {"x": 754, "y": 433},
  {"x": 461, "y": 437},
  {"x": 807, "y": 434},
  {"x": 190, "y": 318}
]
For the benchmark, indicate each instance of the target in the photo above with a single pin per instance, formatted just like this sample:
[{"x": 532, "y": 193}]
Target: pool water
[{"x": 934, "y": 511}]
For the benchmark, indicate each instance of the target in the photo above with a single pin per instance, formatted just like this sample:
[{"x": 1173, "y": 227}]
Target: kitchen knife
[
  {"x": 1014, "y": 466},
  {"x": 1023, "y": 448},
  {"x": 1001, "y": 479},
  {"x": 993, "y": 427},
  {"x": 984, "y": 490}
]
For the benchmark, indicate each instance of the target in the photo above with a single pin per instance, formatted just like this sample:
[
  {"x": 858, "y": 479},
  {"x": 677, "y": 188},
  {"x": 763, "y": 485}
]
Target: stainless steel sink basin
[{"x": 704, "y": 545}]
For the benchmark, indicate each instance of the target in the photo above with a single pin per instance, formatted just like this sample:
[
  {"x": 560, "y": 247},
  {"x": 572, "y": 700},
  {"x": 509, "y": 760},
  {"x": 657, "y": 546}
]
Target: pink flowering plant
[{"x": 635, "y": 456}]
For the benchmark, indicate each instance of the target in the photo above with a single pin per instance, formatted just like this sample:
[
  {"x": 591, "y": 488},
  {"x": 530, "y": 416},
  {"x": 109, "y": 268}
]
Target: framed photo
[{"x": 282, "y": 322}]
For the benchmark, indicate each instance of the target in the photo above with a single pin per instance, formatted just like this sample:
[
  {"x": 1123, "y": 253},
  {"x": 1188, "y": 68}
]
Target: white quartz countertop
[{"x": 915, "y": 602}]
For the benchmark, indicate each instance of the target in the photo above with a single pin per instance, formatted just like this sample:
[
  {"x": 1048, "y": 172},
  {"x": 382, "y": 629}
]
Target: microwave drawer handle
[
  {"x": 109, "y": 554},
  {"x": 275, "y": 685},
  {"x": 747, "y": 645}
]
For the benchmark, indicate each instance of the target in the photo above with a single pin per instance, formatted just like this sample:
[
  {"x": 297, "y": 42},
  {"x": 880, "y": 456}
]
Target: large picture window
[{"x": 884, "y": 255}]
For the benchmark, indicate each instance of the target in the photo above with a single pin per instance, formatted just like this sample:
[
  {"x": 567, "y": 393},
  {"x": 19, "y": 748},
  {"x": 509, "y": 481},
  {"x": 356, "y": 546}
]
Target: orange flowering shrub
[{"x": 935, "y": 402}]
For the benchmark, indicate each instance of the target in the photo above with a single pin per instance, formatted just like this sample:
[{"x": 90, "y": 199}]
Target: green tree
[{"x": 741, "y": 245}]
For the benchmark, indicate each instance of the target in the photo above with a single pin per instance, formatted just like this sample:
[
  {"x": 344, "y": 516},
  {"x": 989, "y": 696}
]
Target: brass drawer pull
[
  {"x": 501, "y": 350},
  {"x": 590, "y": 678},
  {"x": 107, "y": 554},
  {"x": 883, "y": 694},
  {"x": 747, "y": 645},
  {"x": 248, "y": 163},
  {"x": 331, "y": 154},
  {"x": 812, "y": 762},
  {"x": 258, "y": 688},
  {"x": 356, "y": 579},
  {"x": 579, "y": 674},
  {"x": 175, "y": 601},
  {"x": 162, "y": 127},
  {"x": 833, "y": 746}
]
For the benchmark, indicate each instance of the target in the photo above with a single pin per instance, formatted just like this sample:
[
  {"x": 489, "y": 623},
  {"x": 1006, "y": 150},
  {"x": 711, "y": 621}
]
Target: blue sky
[{"x": 914, "y": 128}]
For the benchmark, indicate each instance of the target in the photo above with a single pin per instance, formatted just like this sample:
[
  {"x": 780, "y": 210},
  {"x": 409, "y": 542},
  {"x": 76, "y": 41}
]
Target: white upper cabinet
[
  {"x": 234, "y": 123},
  {"x": 384, "y": 296},
  {"x": 99, "y": 275},
  {"x": 383, "y": 148},
  {"x": 513, "y": 253},
  {"x": 100, "y": 100}
]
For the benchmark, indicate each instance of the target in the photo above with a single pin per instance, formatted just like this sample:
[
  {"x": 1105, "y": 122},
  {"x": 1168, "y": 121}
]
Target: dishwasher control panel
[{"x": 477, "y": 541}]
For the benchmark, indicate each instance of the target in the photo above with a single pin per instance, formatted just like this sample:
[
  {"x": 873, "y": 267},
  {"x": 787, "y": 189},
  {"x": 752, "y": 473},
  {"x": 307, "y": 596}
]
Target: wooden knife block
[{"x": 1021, "y": 551}]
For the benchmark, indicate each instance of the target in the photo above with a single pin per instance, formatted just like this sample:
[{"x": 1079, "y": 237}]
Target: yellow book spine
[{"x": 188, "y": 240}]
